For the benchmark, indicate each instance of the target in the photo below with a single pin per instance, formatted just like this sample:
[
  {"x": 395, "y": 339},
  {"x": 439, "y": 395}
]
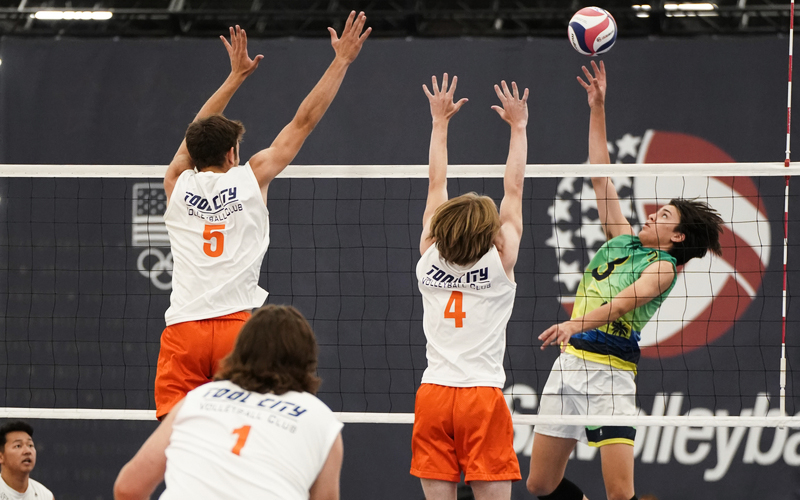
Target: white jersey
[
  {"x": 230, "y": 443},
  {"x": 219, "y": 232},
  {"x": 35, "y": 491},
  {"x": 465, "y": 312}
]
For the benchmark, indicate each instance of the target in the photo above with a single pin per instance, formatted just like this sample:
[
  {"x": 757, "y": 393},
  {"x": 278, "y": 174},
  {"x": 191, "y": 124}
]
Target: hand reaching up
[
  {"x": 513, "y": 109},
  {"x": 441, "y": 100},
  {"x": 241, "y": 64},
  {"x": 349, "y": 44},
  {"x": 596, "y": 86}
]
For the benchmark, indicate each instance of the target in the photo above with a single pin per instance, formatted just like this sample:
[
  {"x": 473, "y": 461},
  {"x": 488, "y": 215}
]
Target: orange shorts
[
  {"x": 465, "y": 429},
  {"x": 189, "y": 356}
]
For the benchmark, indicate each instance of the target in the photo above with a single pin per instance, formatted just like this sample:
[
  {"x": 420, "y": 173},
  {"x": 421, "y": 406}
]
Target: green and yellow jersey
[{"x": 616, "y": 266}]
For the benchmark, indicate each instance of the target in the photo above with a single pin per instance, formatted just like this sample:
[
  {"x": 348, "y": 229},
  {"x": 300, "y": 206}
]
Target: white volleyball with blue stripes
[{"x": 592, "y": 31}]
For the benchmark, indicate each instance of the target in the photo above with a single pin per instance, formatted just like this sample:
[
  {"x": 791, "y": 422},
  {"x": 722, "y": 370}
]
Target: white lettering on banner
[{"x": 688, "y": 445}]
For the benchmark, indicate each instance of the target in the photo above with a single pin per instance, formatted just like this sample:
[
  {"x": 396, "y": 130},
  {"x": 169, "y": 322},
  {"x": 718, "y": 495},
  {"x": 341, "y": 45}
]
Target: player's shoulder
[{"x": 40, "y": 491}]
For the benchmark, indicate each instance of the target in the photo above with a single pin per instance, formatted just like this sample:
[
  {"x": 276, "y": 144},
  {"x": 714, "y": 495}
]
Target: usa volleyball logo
[{"x": 710, "y": 293}]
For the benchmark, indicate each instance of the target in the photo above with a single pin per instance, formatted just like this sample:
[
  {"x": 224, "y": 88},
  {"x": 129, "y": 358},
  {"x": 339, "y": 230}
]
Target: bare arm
[
  {"x": 139, "y": 478},
  {"x": 241, "y": 67},
  {"x": 442, "y": 109},
  {"x": 270, "y": 162},
  {"x": 326, "y": 486},
  {"x": 514, "y": 111},
  {"x": 654, "y": 281},
  {"x": 614, "y": 223}
]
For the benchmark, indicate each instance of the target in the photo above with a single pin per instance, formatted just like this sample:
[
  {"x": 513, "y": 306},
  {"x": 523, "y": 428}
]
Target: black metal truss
[{"x": 388, "y": 18}]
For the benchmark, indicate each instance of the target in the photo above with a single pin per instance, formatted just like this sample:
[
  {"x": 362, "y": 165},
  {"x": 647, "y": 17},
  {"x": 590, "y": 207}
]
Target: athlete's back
[
  {"x": 219, "y": 232},
  {"x": 466, "y": 310},
  {"x": 230, "y": 443}
]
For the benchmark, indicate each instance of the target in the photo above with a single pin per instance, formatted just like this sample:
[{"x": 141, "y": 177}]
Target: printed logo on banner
[
  {"x": 149, "y": 231},
  {"x": 711, "y": 293}
]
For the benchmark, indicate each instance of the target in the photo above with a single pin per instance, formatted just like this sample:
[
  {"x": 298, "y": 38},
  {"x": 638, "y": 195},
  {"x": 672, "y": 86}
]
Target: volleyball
[{"x": 592, "y": 31}]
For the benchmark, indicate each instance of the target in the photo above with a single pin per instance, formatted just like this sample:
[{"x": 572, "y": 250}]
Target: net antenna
[{"x": 787, "y": 163}]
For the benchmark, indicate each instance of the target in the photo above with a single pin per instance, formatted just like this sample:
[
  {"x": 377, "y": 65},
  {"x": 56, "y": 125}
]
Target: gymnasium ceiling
[{"x": 390, "y": 18}]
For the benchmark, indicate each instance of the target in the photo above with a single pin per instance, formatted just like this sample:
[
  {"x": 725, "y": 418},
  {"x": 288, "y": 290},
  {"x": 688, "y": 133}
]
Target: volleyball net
[{"x": 86, "y": 270}]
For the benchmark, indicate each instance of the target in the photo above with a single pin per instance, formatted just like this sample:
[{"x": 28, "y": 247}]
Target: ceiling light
[
  {"x": 73, "y": 15},
  {"x": 702, "y": 9}
]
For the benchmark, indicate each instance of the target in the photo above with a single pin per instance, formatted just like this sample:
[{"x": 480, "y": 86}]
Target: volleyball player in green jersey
[{"x": 621, "y": 290}]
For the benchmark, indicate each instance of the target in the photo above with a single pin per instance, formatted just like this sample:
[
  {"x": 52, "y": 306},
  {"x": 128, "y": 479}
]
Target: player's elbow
[
  {"x": 128, "y": 486},
  {"x": 124, "y": 489}
]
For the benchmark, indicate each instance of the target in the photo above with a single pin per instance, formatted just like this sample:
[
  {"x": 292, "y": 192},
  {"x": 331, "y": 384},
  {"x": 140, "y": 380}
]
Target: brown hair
[
  {"x": 464, "y": 228},
  {"x": 276, "y": 351},
  {"x": 701, "y": 225},
  {"x": 209, "y": 139}
]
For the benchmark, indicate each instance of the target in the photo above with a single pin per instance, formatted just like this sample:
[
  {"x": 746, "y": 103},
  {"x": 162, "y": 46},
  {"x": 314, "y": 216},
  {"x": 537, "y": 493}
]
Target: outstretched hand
[
  {"x": 558, "y": 335},
  {"x": 349, "y": 44},
  {"x": 596, "y": 86},
  {"x": 241, "y": 64},
  {"x": 441, "y": 100},
  {"x": 514, "y": 109}
]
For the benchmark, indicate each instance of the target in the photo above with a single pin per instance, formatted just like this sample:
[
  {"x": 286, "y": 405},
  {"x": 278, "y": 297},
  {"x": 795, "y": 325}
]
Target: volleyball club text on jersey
[
  {"x": 221, "y": 206},
  {"x": 477, "y": 279},
  {"x": 279, "y": 411}
]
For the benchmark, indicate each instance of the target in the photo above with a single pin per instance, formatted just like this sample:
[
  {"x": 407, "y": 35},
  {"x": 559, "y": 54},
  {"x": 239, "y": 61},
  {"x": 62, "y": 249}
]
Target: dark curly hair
[
  {"x": 276, "y": 351},
  {"x": 701, "y": 225}
]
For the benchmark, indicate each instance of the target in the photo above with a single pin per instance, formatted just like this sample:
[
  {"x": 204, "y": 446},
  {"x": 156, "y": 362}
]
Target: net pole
[{"x": 787, "y": 163}]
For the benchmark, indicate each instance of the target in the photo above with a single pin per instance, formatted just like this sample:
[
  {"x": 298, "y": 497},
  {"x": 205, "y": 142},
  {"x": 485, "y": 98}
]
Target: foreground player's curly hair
[
  {"x": 702, "y": 227},
  {"x": 276, "y": 351},
  {"x": 464, "y": 228}
]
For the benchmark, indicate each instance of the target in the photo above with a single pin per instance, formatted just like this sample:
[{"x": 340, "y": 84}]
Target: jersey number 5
[
  {"x": 242, "y": 432},
  {"x": 454, "y": 309},
  {"x": 212, "y": 233}
]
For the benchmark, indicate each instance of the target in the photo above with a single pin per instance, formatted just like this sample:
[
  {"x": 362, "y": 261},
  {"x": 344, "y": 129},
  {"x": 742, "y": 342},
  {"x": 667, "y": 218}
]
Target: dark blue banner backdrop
[{"x": 85, "y": 262}]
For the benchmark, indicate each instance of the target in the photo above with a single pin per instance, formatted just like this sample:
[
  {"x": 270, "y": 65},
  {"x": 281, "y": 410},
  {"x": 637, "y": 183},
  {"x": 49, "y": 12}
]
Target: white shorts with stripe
[{"x": 580, "y": 387}]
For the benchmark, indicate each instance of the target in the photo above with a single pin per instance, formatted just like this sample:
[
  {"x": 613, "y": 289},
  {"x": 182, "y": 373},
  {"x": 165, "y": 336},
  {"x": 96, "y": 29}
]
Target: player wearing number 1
[
  {"x": 218, "y": 221},
  {"x": 466, "y": 278},
  {"x": 256, "y": 432}
]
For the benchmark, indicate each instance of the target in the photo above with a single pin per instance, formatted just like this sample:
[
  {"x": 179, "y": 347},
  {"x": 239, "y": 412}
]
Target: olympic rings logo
[{"x": 153, "y": 264}]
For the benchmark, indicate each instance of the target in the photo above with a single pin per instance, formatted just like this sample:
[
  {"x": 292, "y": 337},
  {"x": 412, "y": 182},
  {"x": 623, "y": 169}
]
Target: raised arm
[
  {"x": 268, "y": 163},
  {"x": 514, "y": 111},
  {"x": 654, "y": 281},
  {"x": 614, "y": 223},
  {"x": 442, "y": 109},
  {"x": 241, "y": 67}
]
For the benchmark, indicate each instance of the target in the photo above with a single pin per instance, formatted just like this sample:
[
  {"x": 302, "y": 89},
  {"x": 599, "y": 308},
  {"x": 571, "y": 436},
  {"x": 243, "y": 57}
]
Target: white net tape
[{"x": 421, "y": 171}]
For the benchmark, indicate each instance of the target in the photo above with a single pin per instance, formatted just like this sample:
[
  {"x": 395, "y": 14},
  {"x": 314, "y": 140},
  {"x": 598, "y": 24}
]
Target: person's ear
[{"x": 677, "y": 237}]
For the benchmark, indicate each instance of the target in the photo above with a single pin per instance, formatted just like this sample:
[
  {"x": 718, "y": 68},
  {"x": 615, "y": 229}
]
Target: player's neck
[
  {"x": 17, "y": 482},
  {"x": 216, "y": 169}
]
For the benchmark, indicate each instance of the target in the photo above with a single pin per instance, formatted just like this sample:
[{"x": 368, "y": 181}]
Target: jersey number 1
[
  {"x": 454, "y": 310},
  {"x": 242, "y": 432},
  {"x": 212, "y": 233}
]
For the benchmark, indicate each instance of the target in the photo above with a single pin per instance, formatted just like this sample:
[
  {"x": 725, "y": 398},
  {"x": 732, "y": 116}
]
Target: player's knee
[{"x": 565, "y": 490}]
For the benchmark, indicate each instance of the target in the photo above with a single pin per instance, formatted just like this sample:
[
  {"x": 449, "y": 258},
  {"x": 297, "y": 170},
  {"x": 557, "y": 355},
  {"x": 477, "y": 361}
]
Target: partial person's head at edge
[
  {"x": 214, "y": 142},
  {"x": 685, "y": 229},
  {"x": 18, "y": 454},
  {"x": 464, "y": 228},
  {"x": 276, "y": 351}
]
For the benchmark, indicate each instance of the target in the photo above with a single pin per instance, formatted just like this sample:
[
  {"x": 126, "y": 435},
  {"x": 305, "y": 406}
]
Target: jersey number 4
[
  {"x": 215, "y": 239},
  {"x": 242, "y": 432},
  {"x": 454, "y": 310}
]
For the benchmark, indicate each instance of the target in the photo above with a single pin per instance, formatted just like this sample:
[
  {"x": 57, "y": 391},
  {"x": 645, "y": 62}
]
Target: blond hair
[{"x": 464, "y": 228}]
